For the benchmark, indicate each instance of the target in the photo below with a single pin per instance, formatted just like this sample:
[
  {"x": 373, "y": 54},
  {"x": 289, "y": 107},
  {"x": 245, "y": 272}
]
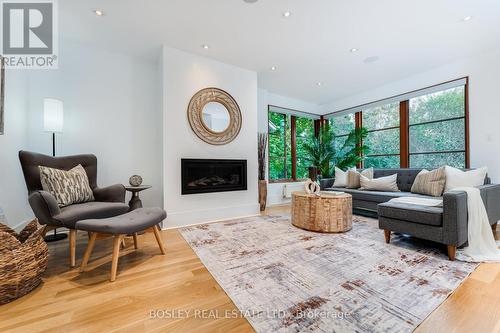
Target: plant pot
[{"x": 262, "y": 194}]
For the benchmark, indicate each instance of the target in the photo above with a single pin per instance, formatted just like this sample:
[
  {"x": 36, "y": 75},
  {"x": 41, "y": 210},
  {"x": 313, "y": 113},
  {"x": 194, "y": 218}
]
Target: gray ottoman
[{"x": 119, "y": 226}]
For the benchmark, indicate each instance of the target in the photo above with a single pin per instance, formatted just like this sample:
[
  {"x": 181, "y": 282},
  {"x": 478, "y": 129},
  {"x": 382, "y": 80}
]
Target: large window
[
  {"x": 421, "y": 129},
  {"x": 437, "y": 129},
  {"x": 280, "y": 166},
  {"x": 287, "y": 134},
  {"x": 342, "y": 126},
  {"x": 382, "y": 123}
]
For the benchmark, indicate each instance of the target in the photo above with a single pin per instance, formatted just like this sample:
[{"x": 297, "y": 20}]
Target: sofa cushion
[
  {"x": 90, "y": 210},
  {"x": 428, "y": 215},
  {"x": 373, "y": 196}
]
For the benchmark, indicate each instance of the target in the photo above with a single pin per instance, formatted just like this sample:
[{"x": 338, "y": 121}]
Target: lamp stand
[{"x": 55, "y": 237}]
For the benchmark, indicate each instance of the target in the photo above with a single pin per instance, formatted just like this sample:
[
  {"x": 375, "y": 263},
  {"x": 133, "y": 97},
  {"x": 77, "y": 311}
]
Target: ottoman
[{"x": 120, "y": 226}]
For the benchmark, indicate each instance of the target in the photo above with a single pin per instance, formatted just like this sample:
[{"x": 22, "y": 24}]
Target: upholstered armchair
[{"x": 109, "y": 201}]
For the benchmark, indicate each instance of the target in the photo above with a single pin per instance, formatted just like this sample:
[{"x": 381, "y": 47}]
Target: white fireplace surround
[{"x": 183, "y": 75}]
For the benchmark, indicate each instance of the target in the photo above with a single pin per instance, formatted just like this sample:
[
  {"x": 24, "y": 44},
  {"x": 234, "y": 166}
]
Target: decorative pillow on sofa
[
  {"x": 341, "y": 177},
  {"x": 354, "y": 175},
  {"x": 67, "y": 187},
  {"x": 385, "y": 184},
  {"x": 458, "y": 178},
  {"x": 430, "y": 182}
]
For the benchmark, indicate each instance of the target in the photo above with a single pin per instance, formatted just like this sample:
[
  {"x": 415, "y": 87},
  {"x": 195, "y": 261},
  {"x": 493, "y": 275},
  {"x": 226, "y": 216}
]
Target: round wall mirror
[{"x": 215, "y": 117}]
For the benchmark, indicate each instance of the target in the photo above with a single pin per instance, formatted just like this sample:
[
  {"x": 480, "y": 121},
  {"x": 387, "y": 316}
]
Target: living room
[{"x": 249, "y": 166}]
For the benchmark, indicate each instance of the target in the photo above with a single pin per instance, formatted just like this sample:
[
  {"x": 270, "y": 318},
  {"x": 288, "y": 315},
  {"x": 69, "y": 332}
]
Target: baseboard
[{"x": 183, "y": 219}]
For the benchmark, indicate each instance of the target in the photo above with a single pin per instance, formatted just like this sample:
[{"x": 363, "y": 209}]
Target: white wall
[
  {"x": 484, "y": 108},
  {"x": 265, "y": 98},
  {"x": 185, "y": 74},
  {"x": 112, "y": 108},
  {"x": 13, "y": 192}
]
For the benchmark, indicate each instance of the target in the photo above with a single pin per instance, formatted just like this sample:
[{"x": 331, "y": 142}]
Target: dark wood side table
[{"x": 135, "y": 202}]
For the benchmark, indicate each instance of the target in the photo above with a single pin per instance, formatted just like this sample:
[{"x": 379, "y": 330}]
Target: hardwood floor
[{"x": 68, "y": 301}]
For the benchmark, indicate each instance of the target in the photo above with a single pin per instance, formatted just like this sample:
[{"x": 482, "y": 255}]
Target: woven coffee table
[{"x": 324, "y": 213}]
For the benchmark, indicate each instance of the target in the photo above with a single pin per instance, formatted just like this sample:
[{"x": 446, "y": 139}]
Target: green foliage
[{"x": 322, "y": 152}]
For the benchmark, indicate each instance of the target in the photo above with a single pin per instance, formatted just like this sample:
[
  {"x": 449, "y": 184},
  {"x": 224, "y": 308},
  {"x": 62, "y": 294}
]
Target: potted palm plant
[
  {"x": 262, "y": 145},
  {"x": 325, "y": 155}
]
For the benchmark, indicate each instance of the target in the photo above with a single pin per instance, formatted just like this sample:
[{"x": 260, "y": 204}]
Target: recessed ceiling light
[
  {"x": 354, "y": 50},
  {"x": 273, "y": 68},
  {"x": 98, "y": 12},
  {"x": 319, "y": 84},
  {"x": 467, "y": 18},
  {"x": 205, "y": 46},
  {"x": 250, "y": 1},
  {"x": 287, "y": 14},
  {"x": 371, "y": 59}
]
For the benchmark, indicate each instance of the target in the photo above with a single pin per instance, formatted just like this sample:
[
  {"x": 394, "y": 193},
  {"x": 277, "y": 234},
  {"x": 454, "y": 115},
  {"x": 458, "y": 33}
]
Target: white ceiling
[{"x": 312, "y": 45}]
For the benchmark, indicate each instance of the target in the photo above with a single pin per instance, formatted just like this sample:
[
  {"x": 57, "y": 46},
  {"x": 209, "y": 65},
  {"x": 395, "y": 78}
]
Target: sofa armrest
[
  {"x": 113, "y": 193},
  {"x": 44, "y": 206},
  {"x": 455, "y": 217},
  {"x": 455, "y": 212},
  {"x": 490, "y": 194}
]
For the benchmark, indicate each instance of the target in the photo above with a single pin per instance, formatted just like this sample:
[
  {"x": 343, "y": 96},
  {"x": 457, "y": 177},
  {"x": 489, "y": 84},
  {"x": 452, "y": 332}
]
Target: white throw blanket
[{"x": 482, "y": 245}]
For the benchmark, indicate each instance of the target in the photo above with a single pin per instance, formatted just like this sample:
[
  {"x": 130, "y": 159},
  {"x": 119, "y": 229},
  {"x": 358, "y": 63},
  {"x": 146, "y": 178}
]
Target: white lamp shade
[{"x": 53, "y": 116}]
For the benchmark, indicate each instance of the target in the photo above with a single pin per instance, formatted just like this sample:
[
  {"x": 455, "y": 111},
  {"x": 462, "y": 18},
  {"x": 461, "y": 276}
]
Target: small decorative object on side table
[
  {"x": 135, "y": 202},
  {"x": 323, "y": 212}
]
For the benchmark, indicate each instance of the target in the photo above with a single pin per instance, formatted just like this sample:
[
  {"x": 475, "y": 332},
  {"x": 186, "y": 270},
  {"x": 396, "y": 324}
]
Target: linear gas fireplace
[{"x": 204, "y": 176}]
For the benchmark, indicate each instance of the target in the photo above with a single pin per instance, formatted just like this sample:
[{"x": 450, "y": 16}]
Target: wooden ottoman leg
[
  {"x": 88, "y": 251},
  {"x": 72, "y": 247},
  {"x": 452, "y": 250},
  {"x": 159, "y": 239},
  {"x": 136, "y": 242},
  {"x": 387, "y": 234},
  {"x": 116, "y": 254}
]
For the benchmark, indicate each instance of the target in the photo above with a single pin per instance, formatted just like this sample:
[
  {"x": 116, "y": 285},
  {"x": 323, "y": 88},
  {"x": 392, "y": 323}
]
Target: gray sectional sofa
[{"x": 446, "y": 225}]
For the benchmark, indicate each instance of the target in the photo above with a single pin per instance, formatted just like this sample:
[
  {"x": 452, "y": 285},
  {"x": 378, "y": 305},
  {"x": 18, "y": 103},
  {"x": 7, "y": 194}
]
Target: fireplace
[{"x": 204, "y": 176}]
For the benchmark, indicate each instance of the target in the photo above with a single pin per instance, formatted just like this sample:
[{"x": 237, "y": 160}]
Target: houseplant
[
  {"x": 325, "y": 155},
  {"x": 262, "y": 146}
]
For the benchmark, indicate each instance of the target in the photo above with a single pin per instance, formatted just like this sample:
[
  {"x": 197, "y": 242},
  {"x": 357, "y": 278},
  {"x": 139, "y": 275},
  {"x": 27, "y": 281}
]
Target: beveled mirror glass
[{"x": 215, "y": 117}]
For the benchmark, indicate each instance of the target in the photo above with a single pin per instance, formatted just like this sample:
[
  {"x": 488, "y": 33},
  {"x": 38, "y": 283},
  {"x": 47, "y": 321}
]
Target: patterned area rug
[{"x": 285, "y": 279}]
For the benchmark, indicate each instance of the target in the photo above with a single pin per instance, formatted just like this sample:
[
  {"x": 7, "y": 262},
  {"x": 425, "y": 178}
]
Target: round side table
[{"x": 135, "y": 202}]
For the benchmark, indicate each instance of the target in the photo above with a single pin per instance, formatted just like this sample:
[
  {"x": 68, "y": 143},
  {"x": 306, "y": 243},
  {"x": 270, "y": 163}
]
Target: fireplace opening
[{"x": 213, "y": 175}]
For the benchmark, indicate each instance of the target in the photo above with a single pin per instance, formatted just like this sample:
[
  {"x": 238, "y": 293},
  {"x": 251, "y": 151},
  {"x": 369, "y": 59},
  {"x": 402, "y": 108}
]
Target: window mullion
[
  {"x": 293, "y": 144},
  {"x": 404, "y": 133}
]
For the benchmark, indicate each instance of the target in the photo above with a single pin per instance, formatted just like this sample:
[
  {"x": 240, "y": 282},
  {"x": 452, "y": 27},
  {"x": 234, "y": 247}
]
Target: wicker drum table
[{"x": 323, "y": 213}]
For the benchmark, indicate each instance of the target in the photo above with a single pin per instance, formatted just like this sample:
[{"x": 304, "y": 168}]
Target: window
[
  {"x": 427, "y": 128},
  {"x": 287, "y": 134},
  {"x": 383, "y": 125},
  {"x": 437, "y": 129},
  {"x": 279, "y": 146},
  {"x": 342, "y": 126},
  {"x": 304, "y": 128}
]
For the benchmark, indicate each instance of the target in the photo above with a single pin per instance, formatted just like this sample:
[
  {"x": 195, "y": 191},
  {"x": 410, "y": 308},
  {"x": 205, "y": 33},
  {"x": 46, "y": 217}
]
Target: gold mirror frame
[{"x": 195, "y": 116}]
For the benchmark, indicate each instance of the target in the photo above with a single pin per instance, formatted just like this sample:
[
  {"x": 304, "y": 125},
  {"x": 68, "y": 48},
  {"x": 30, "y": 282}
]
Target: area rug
[{"x": 285, "y": 279}]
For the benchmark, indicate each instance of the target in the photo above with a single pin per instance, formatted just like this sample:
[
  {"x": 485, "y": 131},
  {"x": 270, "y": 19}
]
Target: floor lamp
[{"x": 53, "y": 119}]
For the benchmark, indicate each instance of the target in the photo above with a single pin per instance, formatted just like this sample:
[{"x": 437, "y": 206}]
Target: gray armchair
[{"x": 109, "y": 201}]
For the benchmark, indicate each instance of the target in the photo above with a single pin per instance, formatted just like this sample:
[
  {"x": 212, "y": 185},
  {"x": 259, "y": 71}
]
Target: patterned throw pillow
[
  {"x": 430, "y": 182},
  {"x": 68, "y": 187},
  {"x": 353, "y": 177}
]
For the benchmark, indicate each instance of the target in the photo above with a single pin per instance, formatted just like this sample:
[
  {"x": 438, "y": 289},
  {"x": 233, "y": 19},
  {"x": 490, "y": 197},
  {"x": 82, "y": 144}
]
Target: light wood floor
[{"x": 71, "y": 302}]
